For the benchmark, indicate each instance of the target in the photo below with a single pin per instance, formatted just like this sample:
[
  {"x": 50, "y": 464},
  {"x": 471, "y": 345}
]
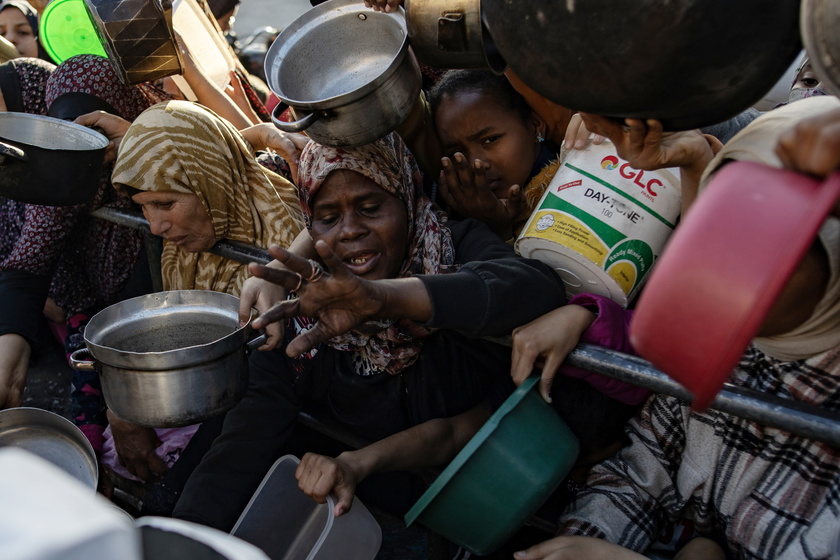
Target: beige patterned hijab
[{"x": 183, "y": 147}]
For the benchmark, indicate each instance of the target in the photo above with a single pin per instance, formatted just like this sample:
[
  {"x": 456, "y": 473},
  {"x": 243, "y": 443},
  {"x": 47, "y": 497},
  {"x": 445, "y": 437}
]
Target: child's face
[{"x": 481, "y": 128}]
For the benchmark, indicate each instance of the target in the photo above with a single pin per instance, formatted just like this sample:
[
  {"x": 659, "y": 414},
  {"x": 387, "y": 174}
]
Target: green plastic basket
[
  {"x": 502, "y": 476},
  {"x": 66, "y": 30}
]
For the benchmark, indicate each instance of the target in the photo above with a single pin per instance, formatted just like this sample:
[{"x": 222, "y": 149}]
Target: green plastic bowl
[
  {"x": 66, "y": 30},
  {"x": 502, "y": 476}
]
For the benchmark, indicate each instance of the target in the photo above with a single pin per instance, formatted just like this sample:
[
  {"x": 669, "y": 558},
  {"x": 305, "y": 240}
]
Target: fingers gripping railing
[{"x": 803, "y": 420}]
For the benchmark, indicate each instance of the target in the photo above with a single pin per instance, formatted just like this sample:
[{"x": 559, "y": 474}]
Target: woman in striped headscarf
[{"x": 197, "y": 180}]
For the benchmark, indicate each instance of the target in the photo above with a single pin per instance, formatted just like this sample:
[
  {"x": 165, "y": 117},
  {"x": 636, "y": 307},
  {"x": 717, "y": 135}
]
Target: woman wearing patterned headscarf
[
  {"x": 376, "y": 372},
  {"x": 179, "y": 151}
]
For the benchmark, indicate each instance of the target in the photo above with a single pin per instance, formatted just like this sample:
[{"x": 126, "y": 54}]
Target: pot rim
[
  {"x": 100, "y": 141},
  {"x": 177, "y": 358},
  {"x": 278, "y": 51}
]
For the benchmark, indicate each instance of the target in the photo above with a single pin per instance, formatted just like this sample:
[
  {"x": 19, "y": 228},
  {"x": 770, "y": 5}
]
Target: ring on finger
[
  {"x": 317, "y": 272},
  {"x": 300, "y": 281}
]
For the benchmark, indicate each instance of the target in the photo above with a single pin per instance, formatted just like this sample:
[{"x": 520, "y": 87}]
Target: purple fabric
[{"x": 610, "y": 330}]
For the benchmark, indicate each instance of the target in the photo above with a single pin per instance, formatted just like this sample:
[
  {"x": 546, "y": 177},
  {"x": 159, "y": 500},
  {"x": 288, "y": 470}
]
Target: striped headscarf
[
  {"x": 386, "y": 345},
  {"x": 183, "y": 147}
]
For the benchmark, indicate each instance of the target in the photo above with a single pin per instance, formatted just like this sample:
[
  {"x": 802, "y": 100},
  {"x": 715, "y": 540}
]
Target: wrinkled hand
[
  {"x": 112, "y": 126},
  {"x": 135, "y": 447},
  {"x": 549, "y": 339},
  {"x": 14, "y": 366},
  {"x": 646, "y": 146},
  {"x": 288, "y": 144},
  {"x": 464, "y": 187},
  {"x": 577, "y": 548},
  {"x": 383, "y": 5},
  {"x": 578, "y": 136},
  {"x": 261, "y": 295},
  {"x": 339, "y": 299},
  {"x": 812, "y": 146},
  {"x": 318, "y": 475}
]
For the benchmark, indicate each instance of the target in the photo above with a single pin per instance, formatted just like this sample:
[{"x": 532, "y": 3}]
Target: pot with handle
[
  {"x": 346, "y": 71},
  {"x": 686, "y": 63},
  {"x": 48, "y": 161},
  {"x": 169, "y": 359}
]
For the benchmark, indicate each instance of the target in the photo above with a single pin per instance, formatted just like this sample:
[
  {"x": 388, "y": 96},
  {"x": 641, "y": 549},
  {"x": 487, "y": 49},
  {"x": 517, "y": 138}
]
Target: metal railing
[{"x": 803, "y": 420}]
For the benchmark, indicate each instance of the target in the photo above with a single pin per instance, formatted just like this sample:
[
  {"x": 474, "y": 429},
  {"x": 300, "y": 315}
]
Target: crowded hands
[{"x": 319, "y": 475}]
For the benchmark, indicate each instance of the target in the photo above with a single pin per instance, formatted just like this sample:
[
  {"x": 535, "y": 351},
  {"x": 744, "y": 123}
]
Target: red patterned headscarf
[{"x": 387, "y": 345}]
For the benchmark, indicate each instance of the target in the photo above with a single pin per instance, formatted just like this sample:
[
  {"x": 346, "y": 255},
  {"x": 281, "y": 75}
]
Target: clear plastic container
[{"x": 289, "y": 525}]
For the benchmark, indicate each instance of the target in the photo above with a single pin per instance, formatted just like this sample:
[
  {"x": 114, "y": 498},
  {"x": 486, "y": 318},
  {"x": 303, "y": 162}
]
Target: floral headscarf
[
  {"x": 387, "y": 345},
  {"x": 183, "y": 147}
]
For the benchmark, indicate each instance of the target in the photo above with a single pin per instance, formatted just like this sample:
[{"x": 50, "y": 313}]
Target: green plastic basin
[
  {"x": 502, "y": 476},
  {"x": 67, "y": 30}
]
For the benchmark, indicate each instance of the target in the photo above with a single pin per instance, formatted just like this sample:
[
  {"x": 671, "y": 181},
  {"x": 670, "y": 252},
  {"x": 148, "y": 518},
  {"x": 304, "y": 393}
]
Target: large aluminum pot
[
  {"x": 819, "y": 24},
  {"x": 450, "y": 34},
  {"x": 687, "y": 63},
  {"x": 346, "y": 71},
  {"x": 48, "y": 161},
  {"x": 169, "y": 359}
]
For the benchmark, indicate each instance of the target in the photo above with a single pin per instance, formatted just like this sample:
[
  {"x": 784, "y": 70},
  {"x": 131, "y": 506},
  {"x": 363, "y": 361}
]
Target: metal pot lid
[
  {"x": 49, "y": 133},
  {"x": 51, "y": 437},
  {"x": 166, "y": 330},
  {"x": 335, "y": 53}
]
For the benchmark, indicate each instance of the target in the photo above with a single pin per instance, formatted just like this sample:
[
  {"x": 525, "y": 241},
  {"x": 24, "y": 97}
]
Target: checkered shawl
[{"x": 764, "y": 492}]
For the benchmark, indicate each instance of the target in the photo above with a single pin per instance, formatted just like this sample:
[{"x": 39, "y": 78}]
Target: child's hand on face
[
  {"x": 464, "y": 187},
  {"x": 548, "y": 339}
]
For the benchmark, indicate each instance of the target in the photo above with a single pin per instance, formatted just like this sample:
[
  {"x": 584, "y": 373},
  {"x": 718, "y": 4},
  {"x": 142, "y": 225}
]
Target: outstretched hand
[
  {"x": 338, "y": 299},
  {"x": 383, "y": 5},
  {"x": 112, "y": 126},
  {"x": 464, "y": 187},
  {"x": 319, "y": 475}
]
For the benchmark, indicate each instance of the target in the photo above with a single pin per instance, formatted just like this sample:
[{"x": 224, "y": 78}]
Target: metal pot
[
  {"x": 169, "y": 359},
  {"x": 684, "y": 62},
  {"x": 346, "y": 71},
  {"x": 51, "y": 437},
  {"x": 450, "y": 34},
  {"x": 48, "y": 161},
  {"x": 819, "y": 24}
]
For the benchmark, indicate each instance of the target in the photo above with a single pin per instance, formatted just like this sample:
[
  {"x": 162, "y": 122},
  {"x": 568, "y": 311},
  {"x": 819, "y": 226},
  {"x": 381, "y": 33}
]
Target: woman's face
[
  {"x": 179, "y": 218},
  {"x": 479, "y": 127},
  {"x": 15, "y": 28},
  {"x": 364, "y": 225}
]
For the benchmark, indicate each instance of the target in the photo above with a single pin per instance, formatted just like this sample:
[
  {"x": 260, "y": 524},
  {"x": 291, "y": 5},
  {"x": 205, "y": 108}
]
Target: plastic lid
[{"x": 66, "y": 30}]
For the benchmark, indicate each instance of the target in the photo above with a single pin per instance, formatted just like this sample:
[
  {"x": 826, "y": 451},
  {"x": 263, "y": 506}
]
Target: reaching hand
[
  {"x": 578, "y": 136},
  {"x": 112, "y": 126},
  {"x": 577, "y": 548},
  {"x": 383, "y": 5},
  {"x": 14, "y": 366},
  {"x": 464, "y": 187},
  {"x": 290, "y": 145},
  {"x": 261, "y": 295},
  {"x": 812, "y": 146},
  {"x": 318, "y": 475},
  {"x": 135, "y": 447},
  {"x": 339, "y": 299},
  {"x": 550, "y": 337}
]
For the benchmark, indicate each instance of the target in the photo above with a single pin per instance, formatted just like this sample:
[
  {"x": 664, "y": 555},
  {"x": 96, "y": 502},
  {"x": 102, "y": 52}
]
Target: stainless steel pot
[
  {"x": 450, "y": 34},
  {"x": 346, "y": 71},
  {"x": 48, "y": 161},
  {"x": 819, "y": 23},
  {"x": 684, "y": 62},
  {"x": 171, "y": 358}
]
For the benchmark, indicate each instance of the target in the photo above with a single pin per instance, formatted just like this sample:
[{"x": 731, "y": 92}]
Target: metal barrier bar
[{"x": 803, "y": 420}]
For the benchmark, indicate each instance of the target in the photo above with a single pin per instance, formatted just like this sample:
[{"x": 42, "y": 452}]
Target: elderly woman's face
[
  {"x": 180, "y": 218},
  {"x": 364, "y": 225},
  {"x": 15, "y": 28}
]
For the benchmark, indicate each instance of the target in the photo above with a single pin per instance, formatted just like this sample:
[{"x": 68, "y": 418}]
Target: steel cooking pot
[
  {"x": 169, "y": 359},
  {"x": 684, "y": 62},
  {"x": 346, "y": 71},
  {"x": 450, "y": 34},
  {"x": 48, "y": 161}
]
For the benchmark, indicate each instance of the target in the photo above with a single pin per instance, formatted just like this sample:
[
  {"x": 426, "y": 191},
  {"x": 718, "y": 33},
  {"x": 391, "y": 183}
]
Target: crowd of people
[{"x": 394, "y": 286}]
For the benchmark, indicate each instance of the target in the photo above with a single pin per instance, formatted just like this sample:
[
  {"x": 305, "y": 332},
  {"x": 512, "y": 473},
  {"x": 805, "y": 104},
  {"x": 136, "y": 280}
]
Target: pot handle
[
  {"x": 13, "y": 152},
  {"x": 296, "y": 126},
  {"x": 81, "y": 360},
  {"x": 256, "y": 342}
]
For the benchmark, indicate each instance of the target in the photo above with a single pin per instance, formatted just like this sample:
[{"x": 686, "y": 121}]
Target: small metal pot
[
  {"x": 346, "y": 71},
  {"x": 450, "y": 34},
  {"x": 48, "y": 161},
  {"x": 169, "y": 359}
]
